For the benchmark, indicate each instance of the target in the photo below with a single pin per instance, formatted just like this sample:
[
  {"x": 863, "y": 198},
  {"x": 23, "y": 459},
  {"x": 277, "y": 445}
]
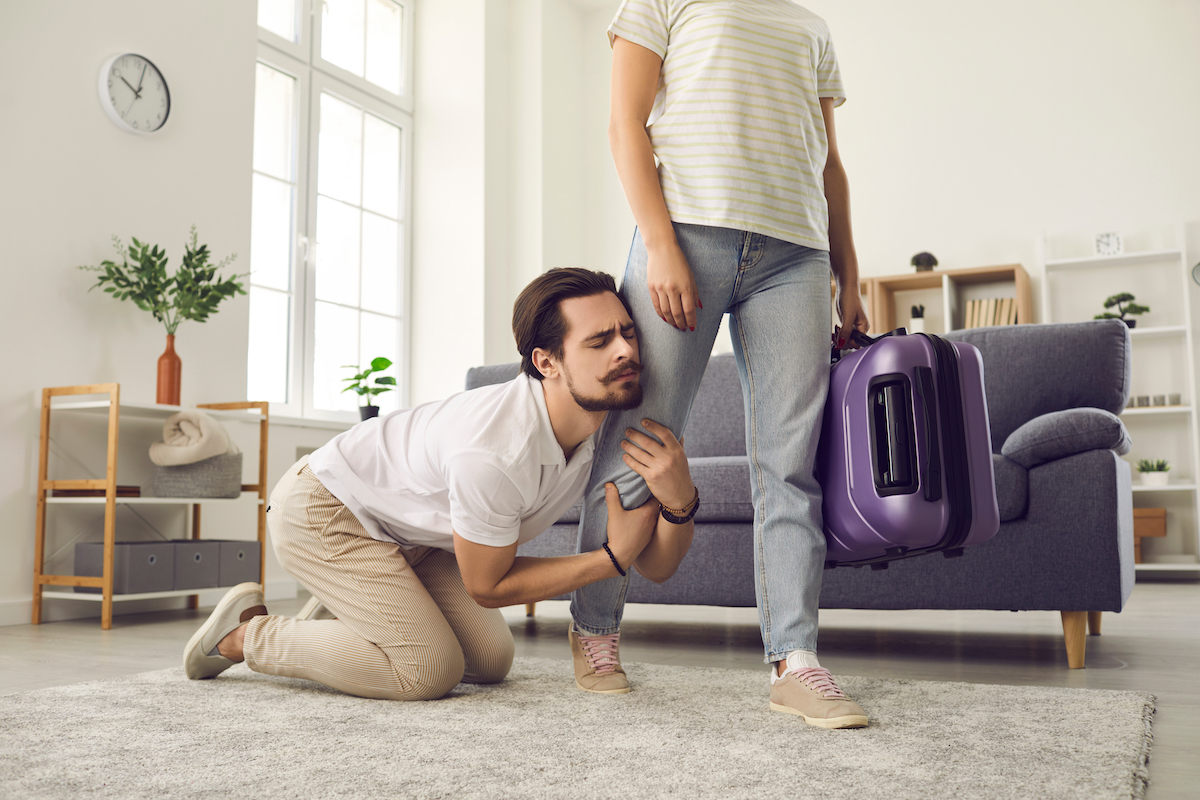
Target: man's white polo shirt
[{"x": 483, "y": 463}]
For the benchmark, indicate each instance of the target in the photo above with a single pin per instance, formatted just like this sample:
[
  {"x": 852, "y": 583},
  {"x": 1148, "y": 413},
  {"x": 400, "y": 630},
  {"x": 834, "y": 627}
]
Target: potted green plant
[
  {"x": 193, "y": 292},
  {"x": 367, "y": 388},
  {"x": 1154, "y": 472},
  {"x": 916, "y": 323},
  {"x": 1124, "y": 305},
  {"x": 924, "y": 262}
]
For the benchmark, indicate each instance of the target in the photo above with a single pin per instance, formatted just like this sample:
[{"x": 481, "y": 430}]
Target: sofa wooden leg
[
  {"x": 1074, "y": 629},
  {"x": 529, "y": 607},
  {"x": 1094, "y": 623}
]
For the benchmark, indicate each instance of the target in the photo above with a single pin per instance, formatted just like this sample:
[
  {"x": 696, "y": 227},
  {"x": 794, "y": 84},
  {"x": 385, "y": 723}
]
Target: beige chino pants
[{"x": 406, "y": 629}]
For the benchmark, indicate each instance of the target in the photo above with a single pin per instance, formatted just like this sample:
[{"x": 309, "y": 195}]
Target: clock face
[
  {"x": 134, "y": 93},
  {"x": 1108, "y": 244}
]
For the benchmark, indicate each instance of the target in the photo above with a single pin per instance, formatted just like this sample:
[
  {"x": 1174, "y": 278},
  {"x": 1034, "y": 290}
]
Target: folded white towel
[{"x": 188, "y": 437}]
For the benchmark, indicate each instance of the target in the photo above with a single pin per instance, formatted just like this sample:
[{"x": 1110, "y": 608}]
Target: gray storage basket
[{"x": 219, "y": 476}]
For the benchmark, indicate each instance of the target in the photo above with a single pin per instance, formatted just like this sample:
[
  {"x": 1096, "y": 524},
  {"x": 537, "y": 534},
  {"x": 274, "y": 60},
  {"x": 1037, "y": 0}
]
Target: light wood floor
[{"x": 1154, "y": 646}]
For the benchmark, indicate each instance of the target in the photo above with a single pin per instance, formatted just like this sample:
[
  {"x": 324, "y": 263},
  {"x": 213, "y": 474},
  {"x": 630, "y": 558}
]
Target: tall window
[{"x": 329, "y": 239}]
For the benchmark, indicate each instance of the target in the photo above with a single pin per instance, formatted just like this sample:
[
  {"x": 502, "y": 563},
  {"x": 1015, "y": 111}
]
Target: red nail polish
[
  {"x": 691, "y": 329},
  {"x": 700, "y": 303}
]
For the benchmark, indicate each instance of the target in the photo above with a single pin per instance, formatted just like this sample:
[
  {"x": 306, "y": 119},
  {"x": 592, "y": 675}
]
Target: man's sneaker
[
  {"x": 201, "y": 658},
  {"x": 810, "y": 693},
  {"x": 598, "y": 663}
]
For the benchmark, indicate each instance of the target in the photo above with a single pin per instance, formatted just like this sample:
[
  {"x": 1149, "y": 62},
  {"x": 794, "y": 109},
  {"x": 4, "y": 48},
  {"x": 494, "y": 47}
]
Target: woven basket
[{"x": 219, "y": 476}]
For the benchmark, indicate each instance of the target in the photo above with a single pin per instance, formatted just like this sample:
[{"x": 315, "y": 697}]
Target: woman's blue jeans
[{"x": 777, "y": 296}]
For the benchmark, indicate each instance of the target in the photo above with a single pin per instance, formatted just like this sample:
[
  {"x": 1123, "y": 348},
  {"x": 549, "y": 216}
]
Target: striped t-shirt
[{"x": 737, "y": 125}]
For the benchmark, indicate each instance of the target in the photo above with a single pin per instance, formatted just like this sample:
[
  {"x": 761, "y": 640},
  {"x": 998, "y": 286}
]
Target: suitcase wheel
[
  {"x": 879, "y": 565},
  {"x": 955, "y": 553}
]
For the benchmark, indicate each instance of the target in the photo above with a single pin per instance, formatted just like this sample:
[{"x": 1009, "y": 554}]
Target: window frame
[
  {"x": 301, "y": 60},
  {"x": 285, "y": 63},
  {"x": 369, "y": 104},
  {"x": 299, "y": 50},
  {"x": 404, "y": 99}
]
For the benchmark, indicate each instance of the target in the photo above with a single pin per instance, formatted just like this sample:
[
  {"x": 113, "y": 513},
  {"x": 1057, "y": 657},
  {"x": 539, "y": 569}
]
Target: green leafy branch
[
  {"x": 1124, "y": 304},
  {"x": 361, "y": 384},
  {"x": 192, "y": 293}
]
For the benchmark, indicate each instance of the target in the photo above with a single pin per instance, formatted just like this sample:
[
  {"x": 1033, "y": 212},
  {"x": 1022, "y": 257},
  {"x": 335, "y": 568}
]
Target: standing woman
[{"x": 746, "y": 212}]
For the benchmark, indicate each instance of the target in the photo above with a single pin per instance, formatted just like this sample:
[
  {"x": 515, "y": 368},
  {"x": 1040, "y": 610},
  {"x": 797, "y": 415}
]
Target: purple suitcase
[{"x": 905, "y": 459}]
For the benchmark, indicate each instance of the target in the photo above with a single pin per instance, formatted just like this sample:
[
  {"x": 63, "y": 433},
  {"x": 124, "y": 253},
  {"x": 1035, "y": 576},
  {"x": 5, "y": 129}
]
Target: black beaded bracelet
[{"x": 614, "y": 560}]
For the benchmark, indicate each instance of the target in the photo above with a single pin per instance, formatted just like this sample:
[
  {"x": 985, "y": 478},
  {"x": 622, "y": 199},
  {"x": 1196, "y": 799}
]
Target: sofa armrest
[{"x": 1064, "y": 433}]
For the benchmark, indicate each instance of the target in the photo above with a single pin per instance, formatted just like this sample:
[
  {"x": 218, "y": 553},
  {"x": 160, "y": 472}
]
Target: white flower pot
[
  {"x": 1155, "y": 478},
  {"x": 916, "y": 325}
]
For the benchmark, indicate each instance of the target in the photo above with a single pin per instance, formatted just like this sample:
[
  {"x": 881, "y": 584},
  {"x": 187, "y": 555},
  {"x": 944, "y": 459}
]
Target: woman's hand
[
  {"x": 664, "y": 466},
  {"x": 672, "y": 287},
  {"x": 852, "y": 316}
]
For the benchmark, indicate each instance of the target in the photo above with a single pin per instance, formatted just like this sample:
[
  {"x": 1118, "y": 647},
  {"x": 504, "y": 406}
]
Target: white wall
[
  {"x": 449, "y": 312},
  {"x": 969, "y": 132}
]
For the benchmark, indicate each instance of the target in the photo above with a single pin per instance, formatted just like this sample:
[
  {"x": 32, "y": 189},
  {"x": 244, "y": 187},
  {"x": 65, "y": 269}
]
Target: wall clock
[
  {"x": 134, "y": 93},
  {"x": 1108, "y": 244}
]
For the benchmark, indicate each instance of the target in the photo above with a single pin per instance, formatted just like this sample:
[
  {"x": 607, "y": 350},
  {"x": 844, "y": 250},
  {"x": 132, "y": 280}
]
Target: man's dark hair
[{"x": 537, "y": 313}]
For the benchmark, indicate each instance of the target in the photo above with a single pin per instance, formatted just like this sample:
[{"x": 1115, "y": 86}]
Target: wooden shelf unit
[
  {"x": 881, "y": 293},
  {"x": 113, "y": 408}
]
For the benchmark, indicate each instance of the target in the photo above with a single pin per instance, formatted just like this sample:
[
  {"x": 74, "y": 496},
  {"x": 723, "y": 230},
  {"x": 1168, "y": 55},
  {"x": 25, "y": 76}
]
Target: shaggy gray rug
[{"x": 683, "y": 733}]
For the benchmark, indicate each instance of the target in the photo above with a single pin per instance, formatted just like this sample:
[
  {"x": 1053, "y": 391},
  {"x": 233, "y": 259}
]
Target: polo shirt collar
[{"x": 551, "y": 450}]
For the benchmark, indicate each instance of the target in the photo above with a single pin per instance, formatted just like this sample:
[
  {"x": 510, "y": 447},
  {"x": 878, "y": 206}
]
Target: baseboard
[{"x": 19, "y": 612}]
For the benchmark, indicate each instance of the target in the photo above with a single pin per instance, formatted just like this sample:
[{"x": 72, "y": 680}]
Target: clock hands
[{"x": 137, "y": 93}]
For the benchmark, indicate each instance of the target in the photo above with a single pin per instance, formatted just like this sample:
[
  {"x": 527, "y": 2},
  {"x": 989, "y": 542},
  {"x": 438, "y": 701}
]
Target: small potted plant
[
  {"x": 1154, "y": 472},
  {"x": 1124, "y": 305},
  {"x": 367, "y": 388},
  {"x": 924, "y": 262},
  {"x": 916, "y": 323}
]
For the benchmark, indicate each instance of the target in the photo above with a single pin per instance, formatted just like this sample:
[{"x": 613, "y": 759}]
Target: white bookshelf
[{"x": 1073, "y": 290}]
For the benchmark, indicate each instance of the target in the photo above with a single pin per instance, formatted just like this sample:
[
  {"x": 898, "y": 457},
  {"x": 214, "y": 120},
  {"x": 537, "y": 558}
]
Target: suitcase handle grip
[
  {"x": 862, "y": 340},
  {"x": 931, "y": 466}
]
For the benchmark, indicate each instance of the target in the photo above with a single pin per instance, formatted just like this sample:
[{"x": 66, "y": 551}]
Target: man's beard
[{"x": 619, "y": 399}]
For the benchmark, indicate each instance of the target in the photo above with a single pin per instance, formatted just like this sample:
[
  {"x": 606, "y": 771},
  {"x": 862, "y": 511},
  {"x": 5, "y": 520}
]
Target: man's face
[{"x": 600, "y": 354}]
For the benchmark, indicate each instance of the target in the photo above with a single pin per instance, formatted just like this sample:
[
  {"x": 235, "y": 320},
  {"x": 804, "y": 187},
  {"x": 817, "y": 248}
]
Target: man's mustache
[{"x": 621, "y": 370}]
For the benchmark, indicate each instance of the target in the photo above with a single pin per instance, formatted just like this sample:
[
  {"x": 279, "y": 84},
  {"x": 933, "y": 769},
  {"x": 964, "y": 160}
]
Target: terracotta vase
[{"x": 170, "y": 371}]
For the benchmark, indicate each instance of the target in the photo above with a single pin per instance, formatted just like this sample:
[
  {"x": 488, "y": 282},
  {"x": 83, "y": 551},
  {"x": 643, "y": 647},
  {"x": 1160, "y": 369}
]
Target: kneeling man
[{"x": 406, "y": 527}]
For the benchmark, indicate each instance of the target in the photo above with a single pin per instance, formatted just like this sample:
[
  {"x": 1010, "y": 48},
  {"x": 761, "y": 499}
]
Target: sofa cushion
[
  {"x": 1012, "y": 487},
  {"x": 1064, "y": 433},
  {"x": 724, "y": 484},
  {"x": 716, "y": 424}
]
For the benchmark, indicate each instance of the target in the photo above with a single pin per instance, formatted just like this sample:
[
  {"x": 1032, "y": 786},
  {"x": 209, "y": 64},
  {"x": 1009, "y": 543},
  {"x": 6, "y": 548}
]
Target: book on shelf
[
  {"x": 122, "y": 491},
  {"x": 990, "y": 311}
]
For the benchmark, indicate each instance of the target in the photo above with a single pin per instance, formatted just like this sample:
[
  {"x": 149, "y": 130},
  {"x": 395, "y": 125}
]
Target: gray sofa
[{"x": 1066, "y": 535}]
